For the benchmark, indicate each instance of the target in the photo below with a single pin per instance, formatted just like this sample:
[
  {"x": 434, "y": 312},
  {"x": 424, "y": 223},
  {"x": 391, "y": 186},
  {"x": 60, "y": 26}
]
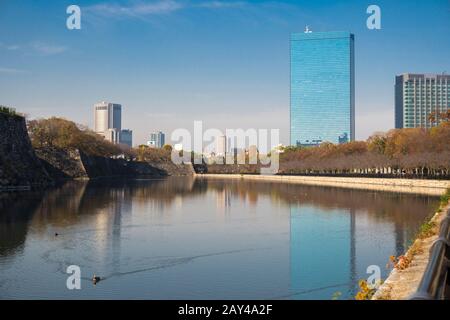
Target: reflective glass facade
[
  {"x": 322, "y": 88},
  {"x": 333, "y": 253}
]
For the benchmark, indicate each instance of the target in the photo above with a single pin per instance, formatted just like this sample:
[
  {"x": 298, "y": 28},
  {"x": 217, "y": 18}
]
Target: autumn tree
[{"x": 67, "y": 135}]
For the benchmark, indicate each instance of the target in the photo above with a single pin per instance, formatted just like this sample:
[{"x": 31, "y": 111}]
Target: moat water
[{"x": 186, "y": 238}]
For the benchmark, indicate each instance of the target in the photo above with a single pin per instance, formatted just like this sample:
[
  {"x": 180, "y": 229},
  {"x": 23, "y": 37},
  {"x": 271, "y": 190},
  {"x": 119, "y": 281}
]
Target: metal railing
[{"x": 435, "y": 283}]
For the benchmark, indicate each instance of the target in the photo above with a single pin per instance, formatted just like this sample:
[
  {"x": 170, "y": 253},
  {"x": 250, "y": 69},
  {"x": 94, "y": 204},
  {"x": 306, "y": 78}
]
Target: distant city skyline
[
  {"x": 157, "y": 139},
  {"x": 225, "y": 63}
]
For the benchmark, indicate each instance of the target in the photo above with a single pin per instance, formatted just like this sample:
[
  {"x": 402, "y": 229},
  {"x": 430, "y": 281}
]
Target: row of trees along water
[
  {"x": 414, "y": 152},
  {"x": 399, "y": 153}
]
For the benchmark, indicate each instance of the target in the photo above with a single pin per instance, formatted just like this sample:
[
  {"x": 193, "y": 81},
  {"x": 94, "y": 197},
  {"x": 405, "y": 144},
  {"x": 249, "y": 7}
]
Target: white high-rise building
[
  {"x": 107, "y": 116},
  {"x": 221, "y": 148},
  {"x": 108, "y": 123},
  {"x": 112, "y": 135}
]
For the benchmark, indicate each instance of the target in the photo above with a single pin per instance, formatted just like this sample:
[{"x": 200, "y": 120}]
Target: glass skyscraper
[{"x": 322, "y": 88}]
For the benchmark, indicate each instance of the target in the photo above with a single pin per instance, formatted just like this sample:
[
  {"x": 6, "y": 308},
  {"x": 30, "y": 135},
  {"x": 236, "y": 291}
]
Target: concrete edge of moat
[
  {"x": 415, "y": 186},
  {"x": 401, "y": 284}
]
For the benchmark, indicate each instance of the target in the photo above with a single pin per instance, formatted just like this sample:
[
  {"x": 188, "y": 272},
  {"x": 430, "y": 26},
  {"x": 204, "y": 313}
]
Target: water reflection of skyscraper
[
  {"x": 330, "y": 233},
  {"x": 319, "y": 240},
  {"x": 223, "y": 201},
  {"x": 109, "y": 221}
]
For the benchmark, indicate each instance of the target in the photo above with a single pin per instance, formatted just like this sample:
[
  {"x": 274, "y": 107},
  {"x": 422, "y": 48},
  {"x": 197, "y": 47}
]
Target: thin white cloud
[
  {"x": 140, "y": 9},
  {"x": 9, "y": 46},
  {"x": 13, "y": 47},
  {"x": 11, "y": 71},
  {"x": 47, "y": 49},
  {"x": 36, "y": 47},
  {"x": 135, "y": 9},
  {"x": 221, "y": 4}
]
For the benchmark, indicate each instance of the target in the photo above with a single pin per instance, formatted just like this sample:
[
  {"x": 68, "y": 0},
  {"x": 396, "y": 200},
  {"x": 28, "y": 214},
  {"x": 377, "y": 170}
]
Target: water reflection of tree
[
  {"x": 87, "y": 197},
  {"x": 397, "y": 207},
  {"x": 64, "y": 206},
  {"x": 60, "y": 206},
  {"x": 15, "y": 216}
]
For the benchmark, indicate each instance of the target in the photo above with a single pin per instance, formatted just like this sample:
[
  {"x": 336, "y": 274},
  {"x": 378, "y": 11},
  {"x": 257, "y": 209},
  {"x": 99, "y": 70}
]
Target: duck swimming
[{"x": 95, "y": 279}]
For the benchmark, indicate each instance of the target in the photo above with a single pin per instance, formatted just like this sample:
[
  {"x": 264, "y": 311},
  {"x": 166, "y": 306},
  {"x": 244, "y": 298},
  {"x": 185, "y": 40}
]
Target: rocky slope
[
  {"x": 22, "y": 167},
  {"x": 73, "y": 164},
  {"x": 19, "y": 165}
]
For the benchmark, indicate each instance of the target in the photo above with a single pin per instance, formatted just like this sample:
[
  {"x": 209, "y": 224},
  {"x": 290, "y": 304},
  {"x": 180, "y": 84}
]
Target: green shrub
[
  {"x": 445, "y": 197},
  {"x": 8, "y": 110}
]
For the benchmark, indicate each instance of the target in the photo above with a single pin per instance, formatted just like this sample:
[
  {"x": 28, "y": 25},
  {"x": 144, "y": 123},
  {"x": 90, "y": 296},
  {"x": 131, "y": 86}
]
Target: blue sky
[{"x": 224, "y": 62}]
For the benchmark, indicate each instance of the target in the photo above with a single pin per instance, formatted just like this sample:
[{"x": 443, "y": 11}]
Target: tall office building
[
  {"x": 157, "y": 139},
  {"x": 322, "y": 88},
  {"x": 112, "y": 135},
  {"x": 417, "y": 96},
  {"x": 108, "y": 123},
  {"x": 107, "y": 116},
  {"x": 126, "y": 137}
]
